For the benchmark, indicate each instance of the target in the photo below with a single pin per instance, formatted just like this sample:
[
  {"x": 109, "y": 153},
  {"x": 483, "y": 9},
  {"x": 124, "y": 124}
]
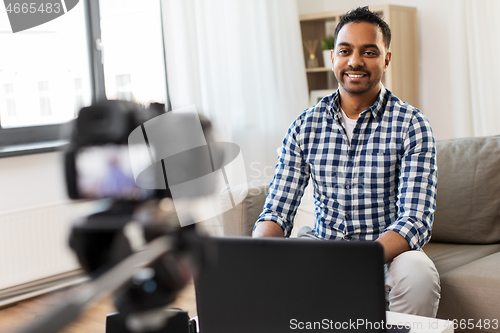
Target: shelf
[
  {"x": 318, "y": 69},
  {"x": 402, "y": 75}
]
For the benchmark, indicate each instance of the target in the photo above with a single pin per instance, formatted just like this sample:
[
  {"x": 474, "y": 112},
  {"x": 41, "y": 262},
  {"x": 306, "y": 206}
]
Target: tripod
[{"x": 142, "y": 283}]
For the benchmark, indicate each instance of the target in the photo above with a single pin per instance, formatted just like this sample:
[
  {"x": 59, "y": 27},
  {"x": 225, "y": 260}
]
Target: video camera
[
  {"x": 110, "y": 138},
  {"x": 128, "y": 154}
]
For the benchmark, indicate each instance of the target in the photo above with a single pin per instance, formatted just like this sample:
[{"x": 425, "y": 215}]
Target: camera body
[
  {"x": 123, "y": 151},
  {"x": 97, "y": 161}
]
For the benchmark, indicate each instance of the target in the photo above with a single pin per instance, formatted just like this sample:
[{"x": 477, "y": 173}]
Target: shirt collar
[{"x": 377, "y": 109}]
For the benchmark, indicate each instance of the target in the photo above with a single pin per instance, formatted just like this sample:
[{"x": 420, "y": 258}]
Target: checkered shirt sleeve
[
  {"x": 416, "y": 199},
  {"x": 290, "y": 180}
]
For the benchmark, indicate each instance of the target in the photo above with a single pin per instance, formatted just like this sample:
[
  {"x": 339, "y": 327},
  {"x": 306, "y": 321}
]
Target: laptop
[{"x": 272, "y": 285}]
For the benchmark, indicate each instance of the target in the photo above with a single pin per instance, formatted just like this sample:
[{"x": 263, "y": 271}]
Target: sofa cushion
[
  {"x": 468, "y": 196},
  {"x": 471, "y": 292},
  {"x": 240, "y": 219},
  {"x": 447, "y": 256}
]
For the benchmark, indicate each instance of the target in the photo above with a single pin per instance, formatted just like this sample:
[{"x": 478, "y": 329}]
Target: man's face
[{"x": 360, "y": 58}]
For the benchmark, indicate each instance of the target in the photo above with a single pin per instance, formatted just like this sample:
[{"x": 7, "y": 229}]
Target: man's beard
[{"x": 362, "y": 70}]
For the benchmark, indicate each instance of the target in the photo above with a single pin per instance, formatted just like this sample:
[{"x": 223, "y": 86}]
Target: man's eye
[
  {"x": 342, "y": 51},
  {"x": 370, "y": 53}
]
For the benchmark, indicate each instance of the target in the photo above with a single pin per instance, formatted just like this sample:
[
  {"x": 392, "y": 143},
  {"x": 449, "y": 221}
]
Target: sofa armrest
[{"x": 240, "y": 219}]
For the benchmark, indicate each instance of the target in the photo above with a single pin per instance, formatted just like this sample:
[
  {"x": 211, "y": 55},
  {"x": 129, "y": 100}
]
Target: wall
[
  {"x": 31, "y": 180},
  {"x": 35, "y": 219},
  {"x": 435, "y": 50}
]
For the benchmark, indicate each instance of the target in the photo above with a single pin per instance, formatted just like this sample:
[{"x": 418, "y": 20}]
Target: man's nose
[{"x": 356, "y": 60}]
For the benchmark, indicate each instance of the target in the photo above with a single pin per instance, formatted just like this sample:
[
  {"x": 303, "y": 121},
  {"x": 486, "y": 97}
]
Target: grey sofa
[{"x": 465, "y": 244}]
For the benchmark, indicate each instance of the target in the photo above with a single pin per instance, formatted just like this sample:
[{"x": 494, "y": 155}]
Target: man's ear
[{"x": 388, "y": 57}]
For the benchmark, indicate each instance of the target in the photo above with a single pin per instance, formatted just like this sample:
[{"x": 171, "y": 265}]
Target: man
[{"x": 371, "y": 159}]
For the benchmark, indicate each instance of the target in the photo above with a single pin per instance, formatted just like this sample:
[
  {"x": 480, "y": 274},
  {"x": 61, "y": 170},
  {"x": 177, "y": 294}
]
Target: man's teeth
[{"x": 355, "y": 75}]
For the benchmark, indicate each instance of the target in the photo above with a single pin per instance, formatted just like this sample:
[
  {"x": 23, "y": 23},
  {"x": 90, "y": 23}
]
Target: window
[
  {"x": 123, "y": 87},
  {"x": 79, "y": 96},
  {"x": 134, "y": 64},
  {"x": 43, "y": 91},
  {"x": 40, "y": 66},
  {"x": 10, "y": 101},
  {"x": 99, "y": 49}
]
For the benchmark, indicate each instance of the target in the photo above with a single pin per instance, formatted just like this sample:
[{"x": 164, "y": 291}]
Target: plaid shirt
[{"x": 384, "y": 180}]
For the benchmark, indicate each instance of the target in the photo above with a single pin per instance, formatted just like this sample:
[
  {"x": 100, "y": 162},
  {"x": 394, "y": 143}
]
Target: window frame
[{"x": 46, "y": 138}]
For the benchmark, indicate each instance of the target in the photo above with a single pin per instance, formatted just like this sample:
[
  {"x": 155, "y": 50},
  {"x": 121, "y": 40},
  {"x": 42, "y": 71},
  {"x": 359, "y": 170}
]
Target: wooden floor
[{"x": 93, "y": 320}]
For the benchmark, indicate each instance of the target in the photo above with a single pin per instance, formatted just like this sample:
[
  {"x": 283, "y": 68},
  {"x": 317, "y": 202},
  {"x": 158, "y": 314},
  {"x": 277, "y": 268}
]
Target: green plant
[{"x": 328, "y": 43}]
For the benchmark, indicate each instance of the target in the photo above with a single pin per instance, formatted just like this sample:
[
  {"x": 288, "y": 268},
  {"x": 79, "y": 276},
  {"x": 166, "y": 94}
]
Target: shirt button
[
  {"x": 347, "y": 187},
  {"x": 347, "y": 237},
  {"x": 347, "y": 216}
]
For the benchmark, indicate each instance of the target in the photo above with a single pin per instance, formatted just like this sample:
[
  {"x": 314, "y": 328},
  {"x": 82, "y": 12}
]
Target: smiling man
[{"x": 372, "y": 161}]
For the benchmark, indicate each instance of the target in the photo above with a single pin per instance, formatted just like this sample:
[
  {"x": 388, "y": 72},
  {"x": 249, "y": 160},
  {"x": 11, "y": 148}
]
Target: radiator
[{"x": 34, "y": 242}]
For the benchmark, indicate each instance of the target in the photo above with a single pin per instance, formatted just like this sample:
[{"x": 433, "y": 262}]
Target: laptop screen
[{"x": 287, "y": 285}]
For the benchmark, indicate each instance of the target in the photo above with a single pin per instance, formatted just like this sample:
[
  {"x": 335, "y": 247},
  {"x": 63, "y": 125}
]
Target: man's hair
[{"x": 363, "y": 14}]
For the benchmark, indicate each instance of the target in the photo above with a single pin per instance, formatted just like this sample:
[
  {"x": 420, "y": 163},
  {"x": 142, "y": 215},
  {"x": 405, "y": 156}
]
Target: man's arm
[
  {"x": 416, "y": 191},
  {"x": 287, "y": 187},
  {"x": 268, "y": 229},
  {"x": 393, "y": 243}
]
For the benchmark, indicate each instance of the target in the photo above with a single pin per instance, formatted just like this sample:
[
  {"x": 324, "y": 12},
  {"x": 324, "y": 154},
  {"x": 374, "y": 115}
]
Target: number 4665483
[{"x": 32, "y": 8}]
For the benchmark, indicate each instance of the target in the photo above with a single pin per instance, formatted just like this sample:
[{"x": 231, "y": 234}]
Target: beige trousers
[{"x": 411, "y": 282}]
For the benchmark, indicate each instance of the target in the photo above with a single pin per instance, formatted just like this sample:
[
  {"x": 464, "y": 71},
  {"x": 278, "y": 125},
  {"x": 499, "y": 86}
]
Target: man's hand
[
  {"x": 393, "y": 243},
  {"x": 268, "y": 229}
]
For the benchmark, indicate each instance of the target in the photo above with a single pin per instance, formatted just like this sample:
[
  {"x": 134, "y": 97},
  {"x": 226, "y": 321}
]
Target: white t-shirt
[{"x": 349, "y": 125}]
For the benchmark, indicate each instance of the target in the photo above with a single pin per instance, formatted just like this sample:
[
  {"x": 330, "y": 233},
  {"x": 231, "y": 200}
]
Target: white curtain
[
  {"x": 474, "y": 58},
  {"x": 241, "y": 63}
]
